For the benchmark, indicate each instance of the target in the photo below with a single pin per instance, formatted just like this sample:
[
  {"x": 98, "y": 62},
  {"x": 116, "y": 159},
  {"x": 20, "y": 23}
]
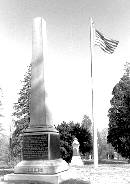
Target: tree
[
  {"x": 86, "y": 123},
  {"x": 4, "y": 139},
  {"x": 103, "y": 147},
  {"x": 84, "y": 137},
  {"x": 1, "y": 111},
  {"x": 21, "y": 114},
  {"x": 67, "y": 134},
  {"x": 66, "y": 139},
  {"x": 119, "y": 116},
  {"x": 4, "y": 148}
]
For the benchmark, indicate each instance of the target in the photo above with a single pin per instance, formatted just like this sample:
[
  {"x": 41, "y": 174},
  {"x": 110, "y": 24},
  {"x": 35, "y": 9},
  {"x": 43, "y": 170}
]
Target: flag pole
[{"x": 95, "y": 147}]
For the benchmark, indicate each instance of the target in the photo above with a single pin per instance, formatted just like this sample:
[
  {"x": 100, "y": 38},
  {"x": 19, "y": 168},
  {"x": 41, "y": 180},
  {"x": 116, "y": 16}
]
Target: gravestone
[
  {"x": 41, "y": 143},
  {"x": 76, "y": 159}
]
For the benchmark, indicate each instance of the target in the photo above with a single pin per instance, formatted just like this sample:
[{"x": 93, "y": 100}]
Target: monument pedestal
[
  {"x": 41, "y": 167},
  {"x": 76, "y": 161},
  {"x": 30, "y": 178},
  {"x": 33, "y": 179},
  {"x": 41, "y": 158},
  {"x": 41, "y": 152}
]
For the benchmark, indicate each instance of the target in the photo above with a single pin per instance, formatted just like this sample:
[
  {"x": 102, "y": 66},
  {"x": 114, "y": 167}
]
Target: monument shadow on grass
[{"x": 70, "y": 181}]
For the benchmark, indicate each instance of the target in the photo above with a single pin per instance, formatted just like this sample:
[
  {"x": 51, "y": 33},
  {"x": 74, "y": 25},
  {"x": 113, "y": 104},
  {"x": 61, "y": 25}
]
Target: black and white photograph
[{"x": 64, "y": 92}]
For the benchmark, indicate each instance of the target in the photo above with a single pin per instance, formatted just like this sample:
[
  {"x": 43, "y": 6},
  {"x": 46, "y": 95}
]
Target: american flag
[{"x": 106, "y": 44}]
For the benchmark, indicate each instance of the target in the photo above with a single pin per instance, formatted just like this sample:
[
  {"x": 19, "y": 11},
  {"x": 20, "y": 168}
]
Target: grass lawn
[
  {"x": 106, "y": 161},
  {"x": 5, "y": 171},
  {"x": 108, "y": 172}
]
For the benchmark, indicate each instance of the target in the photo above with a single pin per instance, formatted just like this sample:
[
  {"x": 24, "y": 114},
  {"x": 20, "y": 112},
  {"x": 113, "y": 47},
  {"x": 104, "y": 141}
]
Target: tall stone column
[
  {"x": 38, "y": 110},
  {"x": 41, "y": 143},
  {"x": 37, "y": 107},
  {"x": 39, "y": 114}
]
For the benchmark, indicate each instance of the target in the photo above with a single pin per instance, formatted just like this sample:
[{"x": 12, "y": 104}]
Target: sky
[{"x": 68, "y": 61}]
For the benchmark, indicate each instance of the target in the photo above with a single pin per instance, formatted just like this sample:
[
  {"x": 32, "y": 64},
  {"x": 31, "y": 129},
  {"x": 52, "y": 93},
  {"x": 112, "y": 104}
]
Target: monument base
[
  {"x": 44, "y": 167},
  {"x": 38, "y": 171},
  {"x": 31, "y": 178},
  {"x": 76, "y": 161}
]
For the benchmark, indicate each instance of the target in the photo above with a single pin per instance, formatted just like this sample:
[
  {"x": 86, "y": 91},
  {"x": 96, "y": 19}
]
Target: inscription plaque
[{"x": 35, "y": 147}]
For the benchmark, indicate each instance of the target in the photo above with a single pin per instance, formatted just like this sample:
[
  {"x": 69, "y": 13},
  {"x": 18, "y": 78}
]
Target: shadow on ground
[
  {"x": 73, "y": 181},
  {"x": 105, "y": 161}
]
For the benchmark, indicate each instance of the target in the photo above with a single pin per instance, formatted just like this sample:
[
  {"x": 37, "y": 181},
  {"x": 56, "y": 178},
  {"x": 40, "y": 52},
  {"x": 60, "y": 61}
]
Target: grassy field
[
  {"x": 106, "y": 161},
  {"x": 108, "y": 172}
]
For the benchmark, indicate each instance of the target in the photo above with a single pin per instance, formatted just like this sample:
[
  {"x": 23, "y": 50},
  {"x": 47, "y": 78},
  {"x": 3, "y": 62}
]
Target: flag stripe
[
  {"x": 111, "y": 45},
  {"x": 106, "y": 44},
  {"x": 104, "y": 47},
  {"x": 100, "y": 35}
]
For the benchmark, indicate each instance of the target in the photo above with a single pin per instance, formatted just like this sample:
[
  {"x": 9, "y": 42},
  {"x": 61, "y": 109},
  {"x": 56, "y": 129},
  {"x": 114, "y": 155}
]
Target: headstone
[
  {"x": 76, "y": 159},
  {"x": 115, "y": 155},
  {"x": 90, "y": 157},
  {"x": 41, "y": 143}
]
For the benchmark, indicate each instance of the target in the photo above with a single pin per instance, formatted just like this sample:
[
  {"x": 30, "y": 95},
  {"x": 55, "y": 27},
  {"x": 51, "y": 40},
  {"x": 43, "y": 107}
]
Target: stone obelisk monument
[{"x": 41, "y": 149}]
